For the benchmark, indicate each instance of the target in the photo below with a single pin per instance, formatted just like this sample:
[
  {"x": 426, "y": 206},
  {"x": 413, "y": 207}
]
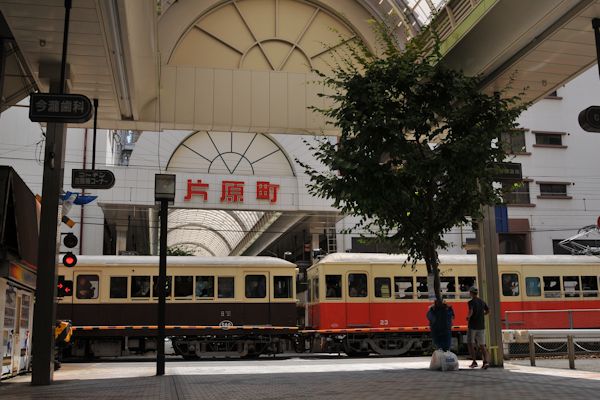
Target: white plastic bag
[
  {"x": 436, "y": 360},
  {"x": 449, "y": 361}
]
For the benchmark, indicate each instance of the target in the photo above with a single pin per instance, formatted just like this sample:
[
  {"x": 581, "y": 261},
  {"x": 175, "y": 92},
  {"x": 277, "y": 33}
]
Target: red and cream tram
[{"x": 370, "y": 302}]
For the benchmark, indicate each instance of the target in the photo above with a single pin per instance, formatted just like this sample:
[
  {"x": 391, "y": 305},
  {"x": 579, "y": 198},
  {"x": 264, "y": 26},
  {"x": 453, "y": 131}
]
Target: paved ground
[{"x": 306, "y": 378}]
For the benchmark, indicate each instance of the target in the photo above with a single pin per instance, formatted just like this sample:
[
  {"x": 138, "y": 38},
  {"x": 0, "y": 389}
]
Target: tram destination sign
[
  {"x": 92, "y": 179},
  {"x": 66, "y": 108}
]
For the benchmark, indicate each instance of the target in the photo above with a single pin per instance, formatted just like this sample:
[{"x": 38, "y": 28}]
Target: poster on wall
[{"x": 8, "y": 328}]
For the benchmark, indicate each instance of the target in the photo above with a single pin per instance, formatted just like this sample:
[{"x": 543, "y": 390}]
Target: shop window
[
  {"x": 118, "y": 287},
  {"x": 205, "y": 287},
  {"x": 226, "y": 288},
  {"x": 382, "y": 287},
  {"x": 256, "y": 286},
  {"x": 87, "y": 286},
  {"x": 510, "y": 284},
  {"x": 551, "y": 286},
  {"x": 357, "y": 285},
  {"x": 282, "y": 287},
  {"x": 184, "y": 286},
  {"x": 571, "y": 286},
  {"x": 533, "y": 287},
  {"x": 589, "y": 286},
  {"x": 403, "y": 287},
  {"x": 548, "y": 139},
  {"x": 334, "y": 286}
]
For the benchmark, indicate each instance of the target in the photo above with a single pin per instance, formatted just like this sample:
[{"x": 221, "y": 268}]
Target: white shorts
[{"x": 476, "y": 336}]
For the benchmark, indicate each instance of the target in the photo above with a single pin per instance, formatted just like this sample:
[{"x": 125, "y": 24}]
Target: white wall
[{"x": 22, "y": 147}]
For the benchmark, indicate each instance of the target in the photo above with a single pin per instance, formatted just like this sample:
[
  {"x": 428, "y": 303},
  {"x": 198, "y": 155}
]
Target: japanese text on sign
[{"x": 232, "y": 191}]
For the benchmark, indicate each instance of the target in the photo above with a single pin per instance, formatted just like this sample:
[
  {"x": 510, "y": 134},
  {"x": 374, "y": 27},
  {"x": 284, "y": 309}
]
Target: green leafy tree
[
  {"x": 417, "y": 151},
  {"x": 179, "y": 251}
]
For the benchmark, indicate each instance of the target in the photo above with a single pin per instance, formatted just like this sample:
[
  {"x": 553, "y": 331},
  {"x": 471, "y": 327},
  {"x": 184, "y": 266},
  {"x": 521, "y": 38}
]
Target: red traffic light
[{"x": 69, "y": 260}]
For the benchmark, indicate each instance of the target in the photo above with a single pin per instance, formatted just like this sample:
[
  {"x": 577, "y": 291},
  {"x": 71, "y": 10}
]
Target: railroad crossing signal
[
  {"x": 64, "y": 287},
  {"x": 69, "y": 259}
]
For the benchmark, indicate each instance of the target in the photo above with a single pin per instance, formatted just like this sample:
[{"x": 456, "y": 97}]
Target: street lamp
[{"x": 164, "y": 192}]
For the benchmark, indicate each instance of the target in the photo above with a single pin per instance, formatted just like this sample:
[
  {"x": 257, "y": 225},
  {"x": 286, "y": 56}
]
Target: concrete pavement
[{"x": 306, "y": 378}]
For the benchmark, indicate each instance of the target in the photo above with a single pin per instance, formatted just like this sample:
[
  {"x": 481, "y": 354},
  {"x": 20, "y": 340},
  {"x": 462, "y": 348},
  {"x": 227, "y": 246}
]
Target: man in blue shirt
[{"x": 476, "y": 330}]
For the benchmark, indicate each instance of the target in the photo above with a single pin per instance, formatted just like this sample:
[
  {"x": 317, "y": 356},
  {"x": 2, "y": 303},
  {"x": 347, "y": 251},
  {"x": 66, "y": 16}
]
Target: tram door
[
  {"x": 257, "y": 307},
  {"x": 358, "y": 309}
]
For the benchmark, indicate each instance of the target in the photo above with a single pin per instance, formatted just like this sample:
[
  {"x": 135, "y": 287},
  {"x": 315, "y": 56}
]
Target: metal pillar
[
  {"x": 3, "y": 57},
  {"x": 489, "y": 282},
  {"x": 44, "y": 313},
  {"x": 162, "y": 278}
]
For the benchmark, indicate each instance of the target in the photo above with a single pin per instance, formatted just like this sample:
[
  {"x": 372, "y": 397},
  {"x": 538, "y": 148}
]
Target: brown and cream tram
[{"x": 228, "y": 305}]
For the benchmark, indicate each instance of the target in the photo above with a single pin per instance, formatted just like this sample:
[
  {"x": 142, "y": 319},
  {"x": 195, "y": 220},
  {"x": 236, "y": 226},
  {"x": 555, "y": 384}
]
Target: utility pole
[
  {"x": 44, "y": 314},
  {"x": 489, "y": 283}
]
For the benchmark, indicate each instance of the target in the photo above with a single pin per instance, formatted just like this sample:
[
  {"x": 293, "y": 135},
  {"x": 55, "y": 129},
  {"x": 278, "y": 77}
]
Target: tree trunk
[{"x": 432, "y": 262}]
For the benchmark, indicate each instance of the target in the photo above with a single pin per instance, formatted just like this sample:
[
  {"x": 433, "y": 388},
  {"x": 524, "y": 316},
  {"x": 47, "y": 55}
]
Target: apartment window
[
  {"x": 548, "y": 139},
  {"x": 553, "y": 189},
  {"x": 515, "y": 192},
  {"x": 513, "y": 141},
  {"x": 513, "y": 243}
]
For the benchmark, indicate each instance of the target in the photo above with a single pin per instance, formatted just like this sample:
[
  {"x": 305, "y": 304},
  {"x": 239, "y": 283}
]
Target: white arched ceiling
[
  {"x": 209, "y": 232},
  {"x": 218, "y": 232},
  {"x": 232, "y": 153},
  {"x": 265, "y": 35}
]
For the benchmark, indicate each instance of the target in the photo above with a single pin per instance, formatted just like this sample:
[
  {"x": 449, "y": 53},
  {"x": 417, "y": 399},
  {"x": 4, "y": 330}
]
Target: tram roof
[
  {"x": 375, "y": 258},
  {"x": 178, "y": 261}
]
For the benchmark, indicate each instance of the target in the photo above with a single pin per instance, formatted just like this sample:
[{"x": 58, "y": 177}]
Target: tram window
[
  {"x": 533, "y": 287},
  {"x": 282, "y": 287},
  {"x": 87, "y": 286},
  {"x": 205, "y": 287},
  {"x": 403, "y": 287},
  {"x": 464, "y": 284},
  {"x": 118, "y": 287},
  {"x": 510, "y": 284},
  {"x": 140, "y": 286},
  {"x": 382, "y": 287},
  {"x": 422, "y": 290},
  {"x": 589, "y": 284},
  {"x": 155, "y": 286},
  {"x": 551, "y": 286},
  {"x": 334, "y": 286},
  {"x": 309, "y": 295},
  {"x": 357, "y": 285},
  {"x": 226, "y": 287},
  {"x": 571, "y": 286},
  {"x": 184, "y": 286},
  {"x": 316, "y": 288},
  {"x": 256, "y": 286},
  {"x": 448, "y": 287}
]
